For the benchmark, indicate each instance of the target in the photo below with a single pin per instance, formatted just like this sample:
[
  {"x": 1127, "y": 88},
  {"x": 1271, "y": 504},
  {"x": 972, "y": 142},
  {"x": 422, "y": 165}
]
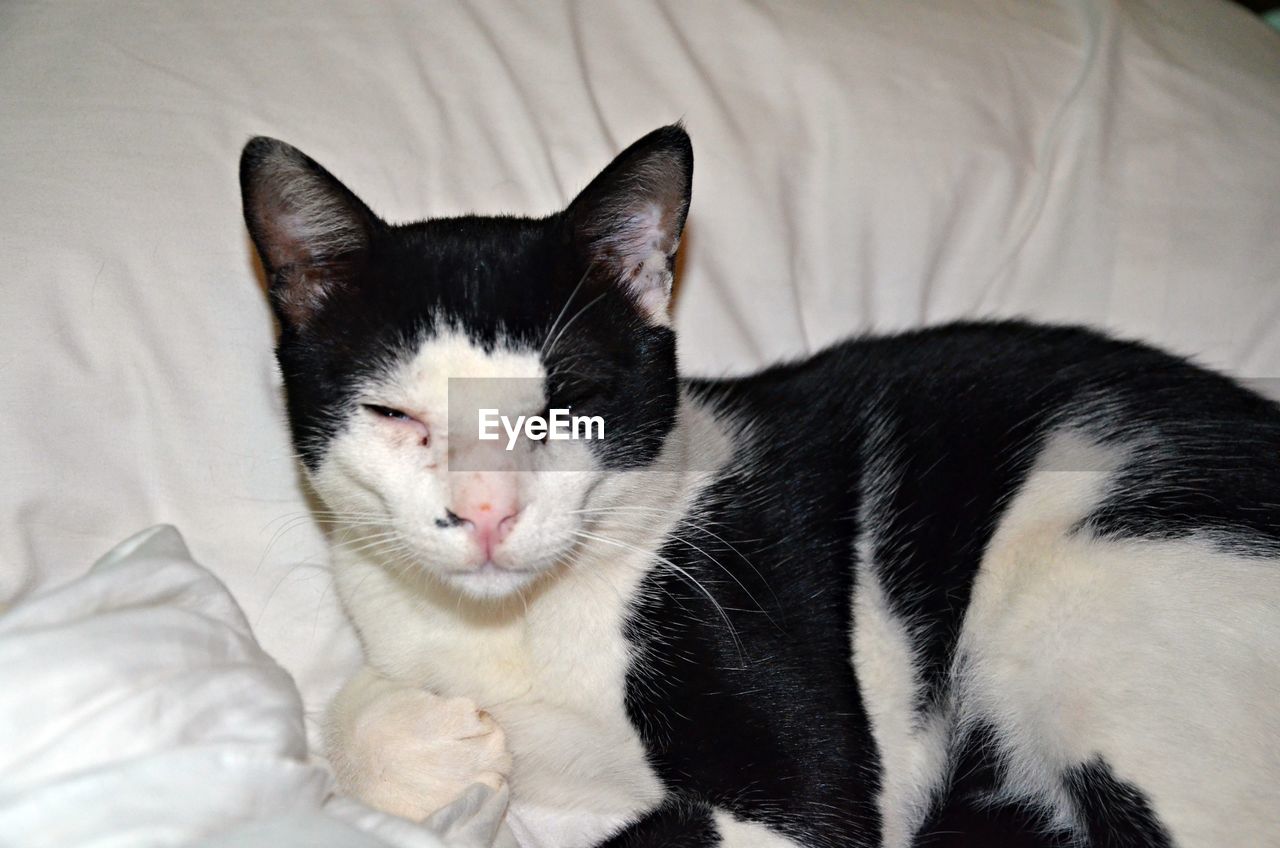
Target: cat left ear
[
  {"x": 627, "y": 222},
  {"x": 311, "y": 231}
]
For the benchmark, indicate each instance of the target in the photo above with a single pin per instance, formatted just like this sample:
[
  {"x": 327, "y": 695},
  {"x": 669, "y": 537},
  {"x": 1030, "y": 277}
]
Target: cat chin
[{"x": 489, "y": 582}]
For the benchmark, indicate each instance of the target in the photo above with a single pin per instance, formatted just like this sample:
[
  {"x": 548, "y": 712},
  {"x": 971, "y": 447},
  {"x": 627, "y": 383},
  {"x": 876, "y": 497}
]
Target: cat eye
[
  {"x": 388, "y": 412},
  {"x": 578, "y": 393},
  {"x": 401, "y": 418}
]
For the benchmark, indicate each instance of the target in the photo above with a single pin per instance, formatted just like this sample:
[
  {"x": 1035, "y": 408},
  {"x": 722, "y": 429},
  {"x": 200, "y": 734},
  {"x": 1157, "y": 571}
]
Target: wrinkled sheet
[
  {"x": 860, "y": 165},
  {"x": 139, "y": 710}
]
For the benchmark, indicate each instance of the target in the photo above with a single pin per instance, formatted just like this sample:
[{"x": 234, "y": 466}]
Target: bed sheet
[{"x": 860, "y": 165}]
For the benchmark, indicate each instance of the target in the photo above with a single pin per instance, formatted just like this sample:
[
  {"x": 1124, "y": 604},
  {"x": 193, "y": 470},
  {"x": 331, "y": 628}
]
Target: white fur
[
  {"x": 383, "y": 473},
  {"x": 913, "y": 749},
  {"x": 1161, "y": 657},
  {"x": 736, "y": 833},
  {"x": 410, "y": 752},
  {"x": 549, "y": 661}
]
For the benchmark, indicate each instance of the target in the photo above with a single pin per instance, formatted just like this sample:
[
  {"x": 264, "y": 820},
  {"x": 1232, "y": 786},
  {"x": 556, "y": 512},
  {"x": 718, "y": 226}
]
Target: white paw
[{"x": 411, "y": 753}]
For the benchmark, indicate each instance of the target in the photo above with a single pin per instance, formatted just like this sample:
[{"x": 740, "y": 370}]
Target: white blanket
[{"x": 138, "y": 710}]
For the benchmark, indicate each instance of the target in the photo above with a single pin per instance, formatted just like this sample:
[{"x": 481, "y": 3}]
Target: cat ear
[
  {"x": 310, "y": 230},
  {"x": 627, "y": 222}
]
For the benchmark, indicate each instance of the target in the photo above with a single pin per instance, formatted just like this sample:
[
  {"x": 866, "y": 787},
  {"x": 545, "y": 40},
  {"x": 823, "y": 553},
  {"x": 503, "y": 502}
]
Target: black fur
[
  {"x": 968, "y": 814},
  {"x": 777, "y": 732},
  {"x": 675, "y": 823},
  {"x": 1116, "y": 814},
  {"x": 505, "y": 275},
  {"x": 761, "y": 714}
]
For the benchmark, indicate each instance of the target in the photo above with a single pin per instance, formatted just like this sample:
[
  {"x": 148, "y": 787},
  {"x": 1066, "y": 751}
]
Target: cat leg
[{"x": 408, "y": 752}]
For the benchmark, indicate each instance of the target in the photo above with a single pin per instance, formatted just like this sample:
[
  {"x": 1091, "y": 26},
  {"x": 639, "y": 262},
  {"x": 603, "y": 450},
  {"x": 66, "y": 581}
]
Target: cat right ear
[
  {"x": 627, "y": 222},
  {"x": 311, "y": 232}
]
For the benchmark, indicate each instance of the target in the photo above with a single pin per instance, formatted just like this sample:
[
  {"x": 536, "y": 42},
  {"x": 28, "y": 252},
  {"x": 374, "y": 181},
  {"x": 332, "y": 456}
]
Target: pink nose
[{"x": 489, "y": 523}]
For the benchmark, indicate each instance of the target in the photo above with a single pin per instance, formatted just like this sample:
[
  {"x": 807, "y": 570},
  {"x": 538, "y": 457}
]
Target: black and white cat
[{"x": 989, "y": 584}]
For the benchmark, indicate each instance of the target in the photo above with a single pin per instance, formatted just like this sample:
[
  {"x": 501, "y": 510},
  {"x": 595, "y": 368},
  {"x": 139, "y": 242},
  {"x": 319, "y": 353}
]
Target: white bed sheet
[{"x": 860, "y": 165}]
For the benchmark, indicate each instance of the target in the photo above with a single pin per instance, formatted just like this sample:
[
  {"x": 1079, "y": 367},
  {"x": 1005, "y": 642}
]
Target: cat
[{"x": 988, "y": 583}]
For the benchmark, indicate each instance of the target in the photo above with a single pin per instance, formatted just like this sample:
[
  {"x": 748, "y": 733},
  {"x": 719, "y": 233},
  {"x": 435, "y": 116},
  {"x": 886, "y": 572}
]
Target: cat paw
[{"x": 411, "y": 753}]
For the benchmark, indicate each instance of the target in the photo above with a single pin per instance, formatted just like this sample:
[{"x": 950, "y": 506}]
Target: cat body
[{"x": 981, "y": 584}]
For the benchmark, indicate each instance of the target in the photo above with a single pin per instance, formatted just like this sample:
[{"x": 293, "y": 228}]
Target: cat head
[{"x": 382, "y": 325}]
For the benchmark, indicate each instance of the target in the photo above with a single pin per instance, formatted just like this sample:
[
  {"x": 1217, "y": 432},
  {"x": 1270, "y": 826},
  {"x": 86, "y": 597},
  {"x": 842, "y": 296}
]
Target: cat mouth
[
  {"x": 490, "y": 581},
  {"x": 489, "y": 567}
]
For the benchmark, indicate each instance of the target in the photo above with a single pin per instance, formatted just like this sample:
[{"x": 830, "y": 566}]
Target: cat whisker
[
  {"x": 552, "y": 346},
  {"x": 565, "y": 308},
  {"x": 701, "y": 528},
  {"x": 326, "y": 523},
  {"x": 711, "y": 559},
  {"x": 289, "y": 525},
  {"x": 682, "y": 572},
  {"x": 361, "y": 544}
]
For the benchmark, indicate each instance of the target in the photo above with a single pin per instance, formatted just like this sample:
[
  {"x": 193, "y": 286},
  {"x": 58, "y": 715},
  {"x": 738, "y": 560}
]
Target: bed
[{"x": 860, "y": 166}]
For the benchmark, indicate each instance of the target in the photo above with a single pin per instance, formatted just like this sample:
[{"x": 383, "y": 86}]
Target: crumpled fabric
[{"x": 138, "y": 710}]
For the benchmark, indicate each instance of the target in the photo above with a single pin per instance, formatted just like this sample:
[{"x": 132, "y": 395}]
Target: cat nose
[{"x": 488, "y": 522}]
